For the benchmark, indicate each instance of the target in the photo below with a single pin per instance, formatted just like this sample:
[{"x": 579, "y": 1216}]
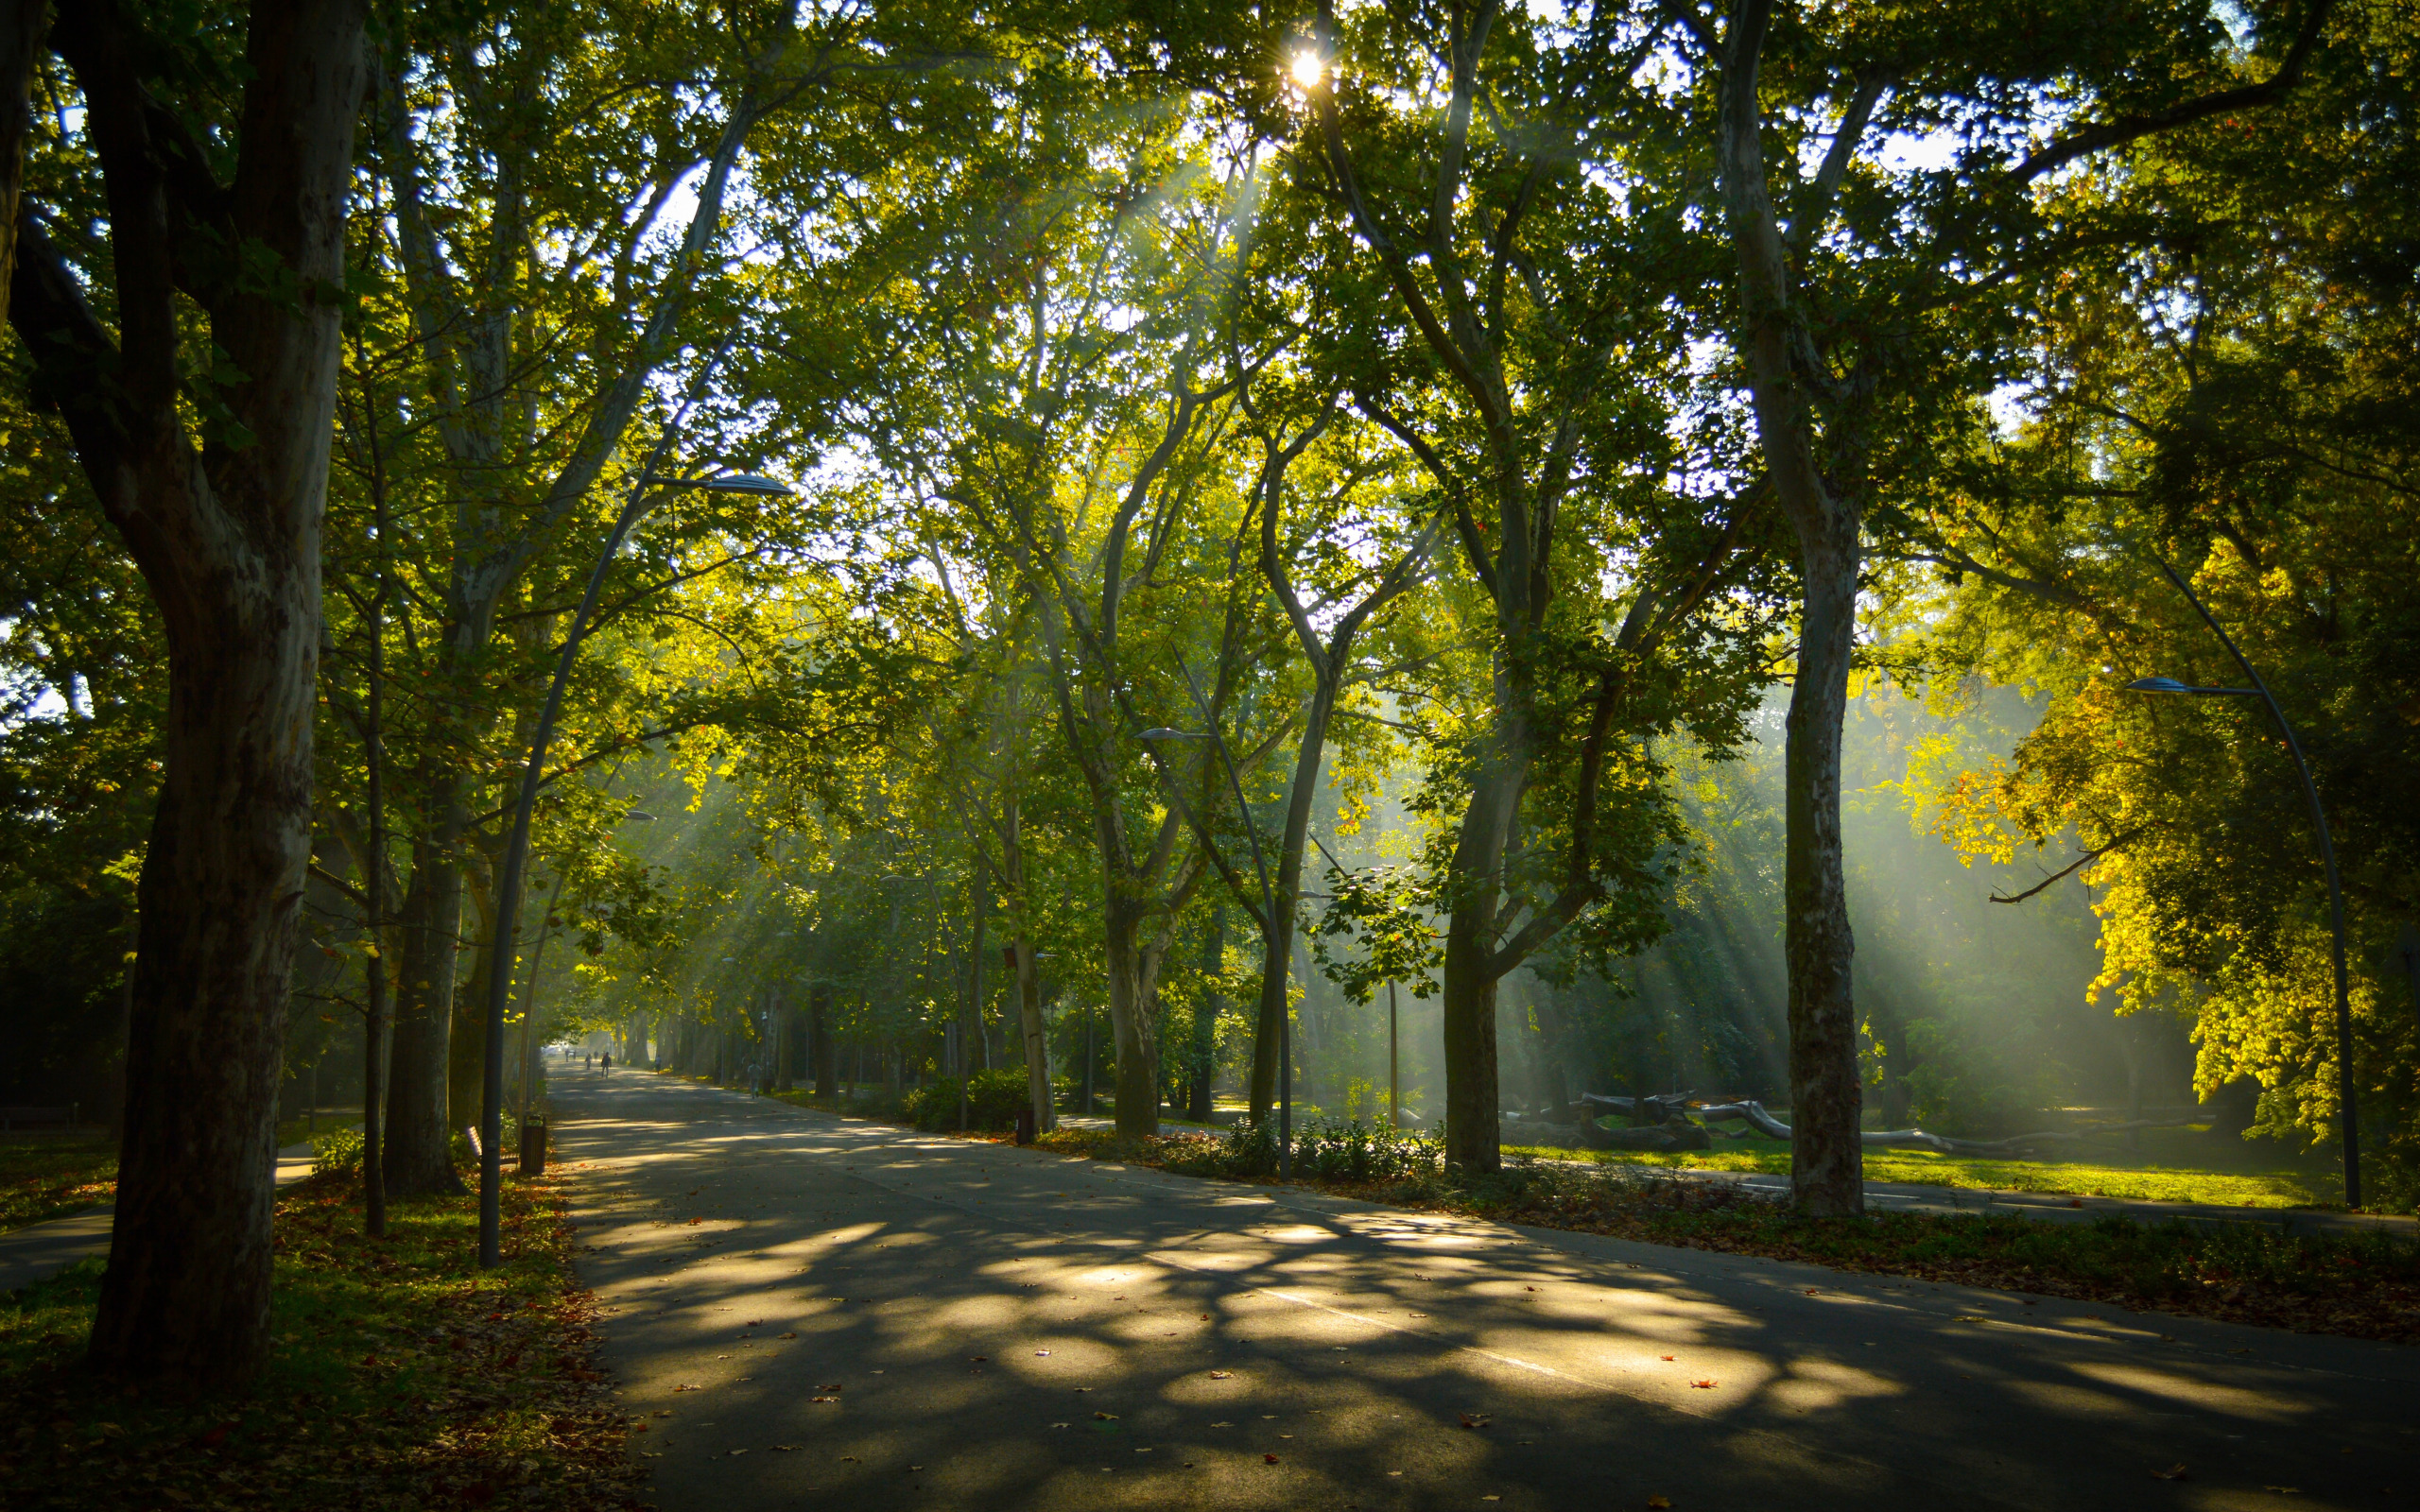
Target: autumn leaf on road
[
  {"x": 1475, "y": 1420},
  {"x": 1703, "y": 1385},
  {"x": 1223, "y": 1375},
  {"x": 1269, "y": 1459},
  {"x": 1659, "y": 1501},
  {"x": 2174, "y": 1473}
]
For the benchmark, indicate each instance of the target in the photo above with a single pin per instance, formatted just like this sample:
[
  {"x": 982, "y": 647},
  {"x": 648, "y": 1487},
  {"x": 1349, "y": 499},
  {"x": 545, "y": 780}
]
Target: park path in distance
[{"x": 811, "y": 1312}]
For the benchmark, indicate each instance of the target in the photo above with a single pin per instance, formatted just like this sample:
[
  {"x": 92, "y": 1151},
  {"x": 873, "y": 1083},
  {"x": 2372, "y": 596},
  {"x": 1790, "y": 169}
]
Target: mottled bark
[
  {"x": 227, "y": 538},
  {"x": 1826, "y": 1156},
  {"x": 418, "y": 1161}
]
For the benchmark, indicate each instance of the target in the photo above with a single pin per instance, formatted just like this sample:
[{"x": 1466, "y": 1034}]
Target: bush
[
  {"x": 1350, "y": 1150},
  {"x": 338, "y": 1150},
  {"x": 995, "y": 1098}
]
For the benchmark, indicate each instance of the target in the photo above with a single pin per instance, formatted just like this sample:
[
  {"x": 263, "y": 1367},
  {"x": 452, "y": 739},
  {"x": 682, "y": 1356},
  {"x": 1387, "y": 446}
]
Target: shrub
[
  {"x": 338, "y": 1150},
  {"x": 933, "y": 1105},
  {"x": 995, "y": 1097},
  {"x": 1350, "y": 1150}
]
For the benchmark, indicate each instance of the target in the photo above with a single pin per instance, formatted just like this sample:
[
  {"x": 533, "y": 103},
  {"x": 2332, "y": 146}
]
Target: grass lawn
[
  {"x": 2284, "y": 1188},
  {"x": 50, "y": 1176},
  {"x": 403, "y": 1378}
]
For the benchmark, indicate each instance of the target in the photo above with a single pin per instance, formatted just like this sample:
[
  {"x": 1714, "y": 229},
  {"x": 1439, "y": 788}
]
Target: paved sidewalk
[
  {"x": 812, "y": 1311},
  {"x": 40, "y": 1250}
]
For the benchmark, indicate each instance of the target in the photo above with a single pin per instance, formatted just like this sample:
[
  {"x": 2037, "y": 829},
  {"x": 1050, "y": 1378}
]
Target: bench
[{"x": 12, "y": 1119}]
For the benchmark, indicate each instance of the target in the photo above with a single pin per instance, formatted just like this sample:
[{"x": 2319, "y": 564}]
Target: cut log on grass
[{"x": 1915, "y": 1139}]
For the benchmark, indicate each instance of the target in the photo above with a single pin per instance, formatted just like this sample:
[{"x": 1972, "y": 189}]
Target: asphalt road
[{"x": 811, "y": 1312}]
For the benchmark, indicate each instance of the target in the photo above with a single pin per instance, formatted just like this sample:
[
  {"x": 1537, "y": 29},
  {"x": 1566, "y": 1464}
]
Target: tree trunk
[
  {"x": 21, "y": 25},
  {"x": 1037, "y": 1036},
  {"x": 227, "y": 540},
  {"x": 1277, "y": 932},
  {"x": 1131, "y": 969},
  {"x": 1467, "y": 999},
  {"x": 1205, "y": 1019},
  {"x": 820, "y": 1049},
  {"x": 1827, "y": 1154},
  {"x": 418, "y": 1161},
  {"x": 466, "y": 1040}
]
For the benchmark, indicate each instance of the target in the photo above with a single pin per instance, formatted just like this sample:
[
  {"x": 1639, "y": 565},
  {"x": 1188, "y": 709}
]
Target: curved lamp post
[
  {"x": 1269, "y": 910},
  {"x": 649, "y": 488},
  {"x": 2347, "y": 1111}
]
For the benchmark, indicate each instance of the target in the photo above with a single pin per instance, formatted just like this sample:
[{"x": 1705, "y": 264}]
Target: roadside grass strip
[
  {"x": 2276, "y": 1189},
  {"x": 2358, "y": 1284},
  {"x": 402, "y": 1378},
  {"x": 50, "y": 1178}
]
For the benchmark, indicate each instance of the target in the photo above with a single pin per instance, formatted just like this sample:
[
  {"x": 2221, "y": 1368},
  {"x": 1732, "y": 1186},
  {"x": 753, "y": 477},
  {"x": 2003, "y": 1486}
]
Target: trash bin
[
  {"x": 533, "y": 1148},
  {"x": 1025, "y": 1125}
]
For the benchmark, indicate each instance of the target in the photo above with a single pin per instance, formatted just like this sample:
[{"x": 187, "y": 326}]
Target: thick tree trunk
[
  {"x": 466, "y": 1038},
  {"x": 418, "y": 1161},
  {"x": 1467, "y": 999},
  {"x": 1037, "y": 1036},
  {"x": 21, "y": 25},
  {"x": 1827, "y": 1171},
  {"x": 227, "y": 540},
  {"x": 187, "y": 1292},
  {"x": 1130, "y": 969},
  {"x": 1827, "y": 1155}
]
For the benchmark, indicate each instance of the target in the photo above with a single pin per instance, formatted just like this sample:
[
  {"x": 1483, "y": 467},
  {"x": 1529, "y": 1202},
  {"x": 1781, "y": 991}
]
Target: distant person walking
[{"x": 609, "y": 1060}]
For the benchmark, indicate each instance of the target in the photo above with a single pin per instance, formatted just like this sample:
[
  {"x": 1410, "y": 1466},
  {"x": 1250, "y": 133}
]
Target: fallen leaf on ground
[
  {"x": 822, "y": 1398},
  {"x": 1223, "y": 1375},
  {"x": 1663, "y": 1357},
  {"x": 1269, "y": 1459},
  {"x": 2174, "y": 1473},
  {"x": 784, "y": 1449},
  {"x": 1658, "y": 1501},
  {"x": 834, "y": 1386},
  {"x": 1105, "y": 1417},
  {"x": 1703, "y": 1386},
  {"x": 1040, "y": 1352},
  {"x": 793, "y": 1336},
  {"x": 2284, "y": 1490},
  {"x": 1475, "y": 1420}
]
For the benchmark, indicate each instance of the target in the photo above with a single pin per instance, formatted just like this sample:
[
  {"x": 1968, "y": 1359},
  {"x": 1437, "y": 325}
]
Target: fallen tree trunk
[{"x": 1915, "y": 1139}]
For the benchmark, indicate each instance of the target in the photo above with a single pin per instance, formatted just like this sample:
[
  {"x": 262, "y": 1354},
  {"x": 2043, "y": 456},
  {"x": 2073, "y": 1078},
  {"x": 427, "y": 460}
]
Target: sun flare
[{"x": 1308, "y": 69}]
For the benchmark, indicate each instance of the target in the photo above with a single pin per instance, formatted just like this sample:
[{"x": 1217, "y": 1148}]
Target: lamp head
[{"x": 2156, "y": 685}]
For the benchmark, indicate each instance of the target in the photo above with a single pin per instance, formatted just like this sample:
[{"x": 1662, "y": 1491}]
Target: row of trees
[{"x": 1182, "y": 402}]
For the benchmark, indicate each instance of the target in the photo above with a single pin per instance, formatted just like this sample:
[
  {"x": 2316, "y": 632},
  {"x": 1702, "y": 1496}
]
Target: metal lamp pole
[
  {"x": 2347, "y": 1110},
  {"x": 517, "y": 852},
  {"x": 1269, "y": 911}
]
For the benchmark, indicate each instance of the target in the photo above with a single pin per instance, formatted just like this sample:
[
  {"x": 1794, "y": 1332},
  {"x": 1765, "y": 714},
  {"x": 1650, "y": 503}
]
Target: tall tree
[
  {"x": 217, "y": 484},
  {"x": 1839, "y": 327}
]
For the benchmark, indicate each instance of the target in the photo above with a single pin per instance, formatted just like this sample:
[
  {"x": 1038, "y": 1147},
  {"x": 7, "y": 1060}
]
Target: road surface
[{"x": 810, "y": 1312}]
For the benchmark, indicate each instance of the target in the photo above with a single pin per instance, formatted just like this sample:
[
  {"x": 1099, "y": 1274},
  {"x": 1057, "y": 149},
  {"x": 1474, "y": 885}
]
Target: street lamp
[
  {"x": 1268, "y": 912},
  {"x": 2347, "y": 1111},
  {"x": 650, "y": 486}
]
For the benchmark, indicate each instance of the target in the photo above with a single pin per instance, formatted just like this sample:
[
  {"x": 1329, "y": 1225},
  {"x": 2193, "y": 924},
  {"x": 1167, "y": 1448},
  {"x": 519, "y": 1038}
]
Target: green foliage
[
  {"x": 339, "y": 1151},
  {"x": 995, "y": 1097},
  {"x": 1331, "y": 1149}
]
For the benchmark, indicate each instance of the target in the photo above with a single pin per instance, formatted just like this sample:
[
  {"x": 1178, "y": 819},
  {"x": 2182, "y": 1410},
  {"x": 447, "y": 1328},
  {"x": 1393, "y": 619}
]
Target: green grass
[
  {"x": 296, "y": 1130},
  {"x": 50, "y": 1177},
  {"x": 402, "y": 1375},
  {"x": 2282, "y": 1188}
]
